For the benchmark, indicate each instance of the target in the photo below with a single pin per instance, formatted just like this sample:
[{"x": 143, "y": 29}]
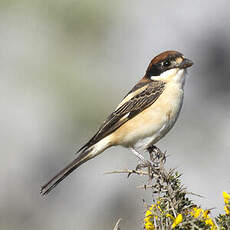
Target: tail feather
[
  {"x": 84, "y": 156},
  {"x": 50, "y": 185}
]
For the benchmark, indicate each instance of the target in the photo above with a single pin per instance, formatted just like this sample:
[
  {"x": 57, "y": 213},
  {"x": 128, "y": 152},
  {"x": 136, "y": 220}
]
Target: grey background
[{"x": 65, "y": 65}]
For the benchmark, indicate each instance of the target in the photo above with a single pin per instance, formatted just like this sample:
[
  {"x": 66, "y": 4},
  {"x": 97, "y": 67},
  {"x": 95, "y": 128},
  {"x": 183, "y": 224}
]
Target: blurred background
[{"x": 65, "y": 65}]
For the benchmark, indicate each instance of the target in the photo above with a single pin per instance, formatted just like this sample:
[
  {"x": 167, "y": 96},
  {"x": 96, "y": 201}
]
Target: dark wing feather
[{"x": 127, "y": 111}]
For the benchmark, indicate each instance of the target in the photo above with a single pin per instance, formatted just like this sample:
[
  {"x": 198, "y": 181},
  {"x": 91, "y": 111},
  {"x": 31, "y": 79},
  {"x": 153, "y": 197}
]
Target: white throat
[{"x": 176, "y": 75}]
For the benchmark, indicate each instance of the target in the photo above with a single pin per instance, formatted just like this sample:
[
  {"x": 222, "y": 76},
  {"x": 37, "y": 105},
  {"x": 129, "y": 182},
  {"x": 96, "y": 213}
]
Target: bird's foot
[
  {"x": 142, "y": 165},
  {"x": 147, "y": 164},
  {"x": 156, "y": 154}
]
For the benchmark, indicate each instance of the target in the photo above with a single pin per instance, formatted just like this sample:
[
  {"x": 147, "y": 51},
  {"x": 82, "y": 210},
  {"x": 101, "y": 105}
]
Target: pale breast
[{"x": 154, "y": 122}]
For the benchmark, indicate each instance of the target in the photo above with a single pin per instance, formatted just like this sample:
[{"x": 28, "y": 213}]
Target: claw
[
  {"x": 146, "y": 164},
  {"x": 158, "y": 153}
]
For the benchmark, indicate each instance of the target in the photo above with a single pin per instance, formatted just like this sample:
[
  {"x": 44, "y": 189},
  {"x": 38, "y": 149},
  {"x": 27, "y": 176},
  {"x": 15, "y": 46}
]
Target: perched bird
[{"x": 143, "y": 117}]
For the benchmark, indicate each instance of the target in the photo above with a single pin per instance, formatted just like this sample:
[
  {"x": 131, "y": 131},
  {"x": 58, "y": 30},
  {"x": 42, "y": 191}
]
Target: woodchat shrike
[{"x": 144, "y": 116}]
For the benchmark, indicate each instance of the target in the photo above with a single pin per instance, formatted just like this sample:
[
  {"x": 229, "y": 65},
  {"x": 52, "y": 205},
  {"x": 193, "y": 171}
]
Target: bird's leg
[
  {"x": 144, "y": 164},
  {"x": 138, "y": 155}
]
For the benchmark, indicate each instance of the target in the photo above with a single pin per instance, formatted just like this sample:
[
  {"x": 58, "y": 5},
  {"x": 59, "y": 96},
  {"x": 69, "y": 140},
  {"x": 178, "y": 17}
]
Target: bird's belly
[
  {"x": 153, "y": 123},
  {"x": 146, "y": 141}
]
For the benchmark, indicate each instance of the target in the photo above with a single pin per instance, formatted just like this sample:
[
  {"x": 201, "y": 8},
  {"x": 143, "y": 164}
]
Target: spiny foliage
[{"x": 171, "y": 206}]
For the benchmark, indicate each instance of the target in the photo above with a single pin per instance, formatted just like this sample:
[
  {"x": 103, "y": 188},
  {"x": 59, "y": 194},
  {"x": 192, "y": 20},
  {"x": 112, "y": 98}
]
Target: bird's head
[{"x": 168, "y": 66}]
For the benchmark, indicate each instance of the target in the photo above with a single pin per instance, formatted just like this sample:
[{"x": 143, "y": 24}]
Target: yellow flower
[
  {"x": 170, "y": 216},
  {"x": 149, "y": 226},
  {"x": 152, "y": 206},
  {"x": 196, "y": 212},
  {"x": 177, "y": 220},
  {"x": 226, "y": 197},
  {"x": 205, "y": 214},
  {"x": 210, "y": 223},
  {"x": 148, "y": 216},
  {"x": 204, "y": 217},
  {"x": 227, "y": 210},
  {"x": 148, "y": 219},
  {"x": 159, "y": 208},
  {"x": 148, "y": 213}
]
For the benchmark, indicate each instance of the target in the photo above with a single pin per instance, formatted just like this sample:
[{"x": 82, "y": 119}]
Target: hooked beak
[{"x": 185, "y": 64}]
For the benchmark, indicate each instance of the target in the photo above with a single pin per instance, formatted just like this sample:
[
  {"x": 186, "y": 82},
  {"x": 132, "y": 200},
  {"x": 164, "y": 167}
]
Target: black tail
[{"x": 83, "y": 157}]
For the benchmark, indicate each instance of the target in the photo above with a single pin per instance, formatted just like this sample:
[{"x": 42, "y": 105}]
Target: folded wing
[{"x": 137, "y": 103}]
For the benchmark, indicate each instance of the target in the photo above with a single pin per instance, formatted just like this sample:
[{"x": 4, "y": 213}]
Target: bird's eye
[{"x": 166, "y": 63}]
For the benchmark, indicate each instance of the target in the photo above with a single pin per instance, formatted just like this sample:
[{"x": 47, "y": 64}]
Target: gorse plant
[
  {"x": 190, "y": 217},
  {"x": 171, "y": 207}
]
